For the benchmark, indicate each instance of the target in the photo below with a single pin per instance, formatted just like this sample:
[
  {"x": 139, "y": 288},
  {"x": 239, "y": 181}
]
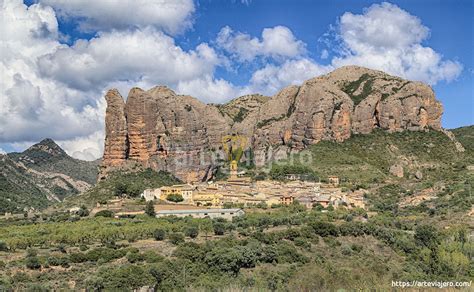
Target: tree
[
  {"x": 159, "y": 234},
  {"x": 150, "y": 209},
  {"x": 428, "y": 236},
  {"x": 3, "y": 246},
  {"x": 206, "y": 227},
  {"x": 83, "y": 211},
  {"x": 174, "y": 198},
  {"x": 104, "y": 213},
  {"x": 31, "y": 260},
  {"x": 176, "y": 238},
  {"x": 191, "y": 231},
  {"x": 219, "y": 228}
]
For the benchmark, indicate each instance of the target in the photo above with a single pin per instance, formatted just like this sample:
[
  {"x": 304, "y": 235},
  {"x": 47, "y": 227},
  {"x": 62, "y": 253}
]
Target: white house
[{"x": 151, "y": 194}]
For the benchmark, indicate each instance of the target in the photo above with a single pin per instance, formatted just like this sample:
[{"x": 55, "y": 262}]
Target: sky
[{"x": 59, "y": 57}]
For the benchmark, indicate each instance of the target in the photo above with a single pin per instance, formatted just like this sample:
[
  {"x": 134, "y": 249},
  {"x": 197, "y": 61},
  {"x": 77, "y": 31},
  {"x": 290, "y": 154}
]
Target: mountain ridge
[
  {"x": 42, "y": 175},
  {"x": 158, "y": 128}
]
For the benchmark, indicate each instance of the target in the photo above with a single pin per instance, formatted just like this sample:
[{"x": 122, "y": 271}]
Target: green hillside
[
  {"x": 48, "y": 156},
  {"x": 40, "y": 176},
  {"x": 117, "y": 184}
]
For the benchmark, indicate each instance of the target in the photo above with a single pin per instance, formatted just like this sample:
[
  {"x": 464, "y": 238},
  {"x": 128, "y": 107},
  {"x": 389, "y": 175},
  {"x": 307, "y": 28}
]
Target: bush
[
  {"x": 83, "y": 212},
  {"x": 192, "y": 232},
  {"x": 176, "y": 238},
  {"x": 135, "y": 256},
  {"x": 104, "y": 213},
  {"x": 325, "y": 229},
  {"x": 31, "y": 261},
  {"x": 174, "y": 198},
  {"x": 428, "y": 236},
  {"x": 150, "y": 209},
  {"x": 62, "y": 261},
  {"x": 3, "y": 246},
  {"x": 159, "y": 234},
  {"x": 219, "y": 228}
]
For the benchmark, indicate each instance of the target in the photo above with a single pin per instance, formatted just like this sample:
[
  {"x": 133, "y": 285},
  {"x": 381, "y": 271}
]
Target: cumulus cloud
[
  {"x": 49, "y": 89},
  {"x": 171, "y": 16},
  {"x": 276, "y": 42},
  {"x": 388, "y": 38},
  {"x": 272, "y": 78},
  {"x": 211, "y": 90},
  {"x": 87, "y": 148},
  {"x": 34, "y": 107},
  {"x": 141, "y": 55}
]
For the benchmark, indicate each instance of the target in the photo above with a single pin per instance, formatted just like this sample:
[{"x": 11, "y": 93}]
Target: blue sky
[{"x": 63, "y": 55}]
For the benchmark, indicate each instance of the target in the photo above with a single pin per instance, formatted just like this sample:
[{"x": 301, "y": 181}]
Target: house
[
  {"x": 287, "y": 200},
  {"x": 333, "y": 180},
  {"x": 323, "y": 200},
  {"x": 151, "y": 194},
  {"x": 202, "y": 213},
  {"x": 207, "y": 199},
  {"x": 307, "y": 201}
]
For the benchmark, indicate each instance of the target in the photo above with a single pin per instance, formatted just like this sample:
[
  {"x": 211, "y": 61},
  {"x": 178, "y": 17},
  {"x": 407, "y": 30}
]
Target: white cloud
[
  {"x": 141, "y": 55},
  {"x": 49, "y": 89},
  {"x": 388, "y": 38},
  {"x": 34, "y": 107},
  {"x": 272, "y": 78},
  {"x": 171, "y": 16},
  {"x": 277, "y": 42},
  {"x": 87, "y": 148},
  {"x": 2, "y": 152},
  {"x": 209, "y": 89}
]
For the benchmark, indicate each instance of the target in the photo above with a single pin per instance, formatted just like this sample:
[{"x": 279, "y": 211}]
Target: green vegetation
[
  {"x": 20, "y": 188},
  {"x": 240, "y": 116},
  {"x": 279, "y": 172},
  {"x": 174, "y": 198},
  {"x": 353, "y": 86},
  {"x": 150, "y": 209},
  {"x": 288, "y": 248},
  {"x": 263, "y": 123},
  {"x": 123, "y": 184}
]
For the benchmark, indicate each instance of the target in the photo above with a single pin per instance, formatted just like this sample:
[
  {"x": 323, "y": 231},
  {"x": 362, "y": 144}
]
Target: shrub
[
  {"x": 159, "y": 234},
  {"x": 135, "y": 256},
  {"x": 191, "y": 231},
  {"x": 150, "y": 209},
  {"x": 325, "y": 229},
  {"x": 176, "y": 238},
  {"x": 175, "y": 198},
  {"x": 62, "y": 261},
  {"x": 31, "y": 261},
  {"x": 219, "y": 228},
  {"x": 3, "y": 246},
  {"x": 83, "y": 212},
  {"x": 428, "y": 236},
  {"x": 104, "y": 213}
]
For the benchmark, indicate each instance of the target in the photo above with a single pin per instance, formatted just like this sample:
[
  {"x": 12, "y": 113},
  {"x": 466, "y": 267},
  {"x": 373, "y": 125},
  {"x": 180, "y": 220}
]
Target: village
[{"x": 241, "y": 192}]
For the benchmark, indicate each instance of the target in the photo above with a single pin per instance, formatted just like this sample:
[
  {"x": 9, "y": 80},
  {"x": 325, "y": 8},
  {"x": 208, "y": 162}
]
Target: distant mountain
[{"x": 41, "y": 175}]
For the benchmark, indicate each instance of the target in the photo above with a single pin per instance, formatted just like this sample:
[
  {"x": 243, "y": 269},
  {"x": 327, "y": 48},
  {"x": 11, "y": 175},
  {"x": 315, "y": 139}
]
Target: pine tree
[{"x": 150, "y": 209}]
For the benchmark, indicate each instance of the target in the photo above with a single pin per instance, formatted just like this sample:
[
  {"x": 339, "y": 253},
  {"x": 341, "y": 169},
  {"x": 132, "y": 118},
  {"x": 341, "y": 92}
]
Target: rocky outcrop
[
  {"x": 116, "y": 134},
  {"x": 165, "y": 131}
]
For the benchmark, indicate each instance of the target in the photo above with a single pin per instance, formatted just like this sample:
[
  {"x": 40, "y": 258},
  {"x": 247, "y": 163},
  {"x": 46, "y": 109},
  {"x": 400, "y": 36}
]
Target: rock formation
[{"x": 178, "y": 133}]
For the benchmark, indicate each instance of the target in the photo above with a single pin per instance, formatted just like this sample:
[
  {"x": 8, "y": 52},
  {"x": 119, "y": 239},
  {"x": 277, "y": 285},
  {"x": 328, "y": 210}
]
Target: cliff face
[{"x": 178, "y": 133}]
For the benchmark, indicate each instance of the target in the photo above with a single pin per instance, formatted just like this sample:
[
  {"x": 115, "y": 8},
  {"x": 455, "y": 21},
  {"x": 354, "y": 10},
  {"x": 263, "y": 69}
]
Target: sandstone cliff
[{"x": 178, "y": 133}]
